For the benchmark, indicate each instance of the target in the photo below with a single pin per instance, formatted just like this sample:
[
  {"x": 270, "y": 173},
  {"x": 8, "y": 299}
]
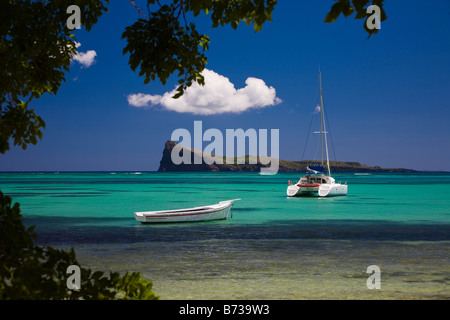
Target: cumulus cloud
[
  {"x": 86, "y": 59},
  {"x": 217, "y": 96},
  {"x": 142, "y": 100}
]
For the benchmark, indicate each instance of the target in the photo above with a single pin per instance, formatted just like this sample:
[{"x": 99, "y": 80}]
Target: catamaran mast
[
  {"x": 321, "y": 116},
  {"x": 323, "y": 129}
]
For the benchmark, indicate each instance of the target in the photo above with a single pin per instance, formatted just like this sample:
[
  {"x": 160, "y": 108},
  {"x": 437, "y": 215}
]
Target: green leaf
[{"x": 179, "y": 94}]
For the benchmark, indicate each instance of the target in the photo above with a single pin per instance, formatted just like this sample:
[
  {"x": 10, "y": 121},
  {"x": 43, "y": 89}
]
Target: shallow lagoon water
[{"x": 273, "y": 247}]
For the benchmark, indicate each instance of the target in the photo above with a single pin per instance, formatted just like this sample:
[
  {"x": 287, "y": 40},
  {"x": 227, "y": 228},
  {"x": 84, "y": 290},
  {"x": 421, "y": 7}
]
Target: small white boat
[
  {"x": 267, "y": 173},
  {"x": 219, "y": 211}
]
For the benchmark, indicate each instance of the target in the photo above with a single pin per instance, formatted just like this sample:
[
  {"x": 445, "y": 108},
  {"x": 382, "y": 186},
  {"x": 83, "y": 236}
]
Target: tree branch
[{"x": 138, "y": 9}]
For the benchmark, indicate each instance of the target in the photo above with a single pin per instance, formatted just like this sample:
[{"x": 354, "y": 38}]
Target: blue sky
[{"x": 387, "y": 97}]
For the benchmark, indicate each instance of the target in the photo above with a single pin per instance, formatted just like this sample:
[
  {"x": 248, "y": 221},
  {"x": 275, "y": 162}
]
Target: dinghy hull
[{"x": 218, "y": 211}]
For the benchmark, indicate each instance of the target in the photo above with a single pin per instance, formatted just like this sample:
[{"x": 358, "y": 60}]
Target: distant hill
[{"x": 166, "y": 164}]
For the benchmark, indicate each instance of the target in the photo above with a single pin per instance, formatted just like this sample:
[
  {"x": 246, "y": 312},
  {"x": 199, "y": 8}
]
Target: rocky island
[{"x": 167, "y": 165}]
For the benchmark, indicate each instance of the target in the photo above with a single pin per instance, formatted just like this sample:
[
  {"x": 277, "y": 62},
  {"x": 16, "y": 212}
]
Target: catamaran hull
[
  {"x": 296, "y": 191},
  {"x": 324, "y": 190},
  {"x": 220, "y": 211}
]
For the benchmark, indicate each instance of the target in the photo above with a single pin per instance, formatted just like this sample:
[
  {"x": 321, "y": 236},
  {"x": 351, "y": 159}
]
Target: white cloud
[
  {"x": 86, "y": 59},
  {"x": 142, "y": 100},
  {"x": 217, "y": 96}
]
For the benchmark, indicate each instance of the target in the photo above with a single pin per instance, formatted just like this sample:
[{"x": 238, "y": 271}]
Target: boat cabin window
[{"x": 317, "y": 180}]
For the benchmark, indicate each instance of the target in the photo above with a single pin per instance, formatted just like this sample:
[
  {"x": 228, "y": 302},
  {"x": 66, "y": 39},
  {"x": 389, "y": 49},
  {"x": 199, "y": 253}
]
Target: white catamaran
[{"x": 315, "y": 182}]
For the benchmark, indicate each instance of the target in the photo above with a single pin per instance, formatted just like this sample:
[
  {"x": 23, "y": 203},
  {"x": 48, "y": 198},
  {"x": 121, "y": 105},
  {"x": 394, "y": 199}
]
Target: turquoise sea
[{"x": 273, "y": 247}]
